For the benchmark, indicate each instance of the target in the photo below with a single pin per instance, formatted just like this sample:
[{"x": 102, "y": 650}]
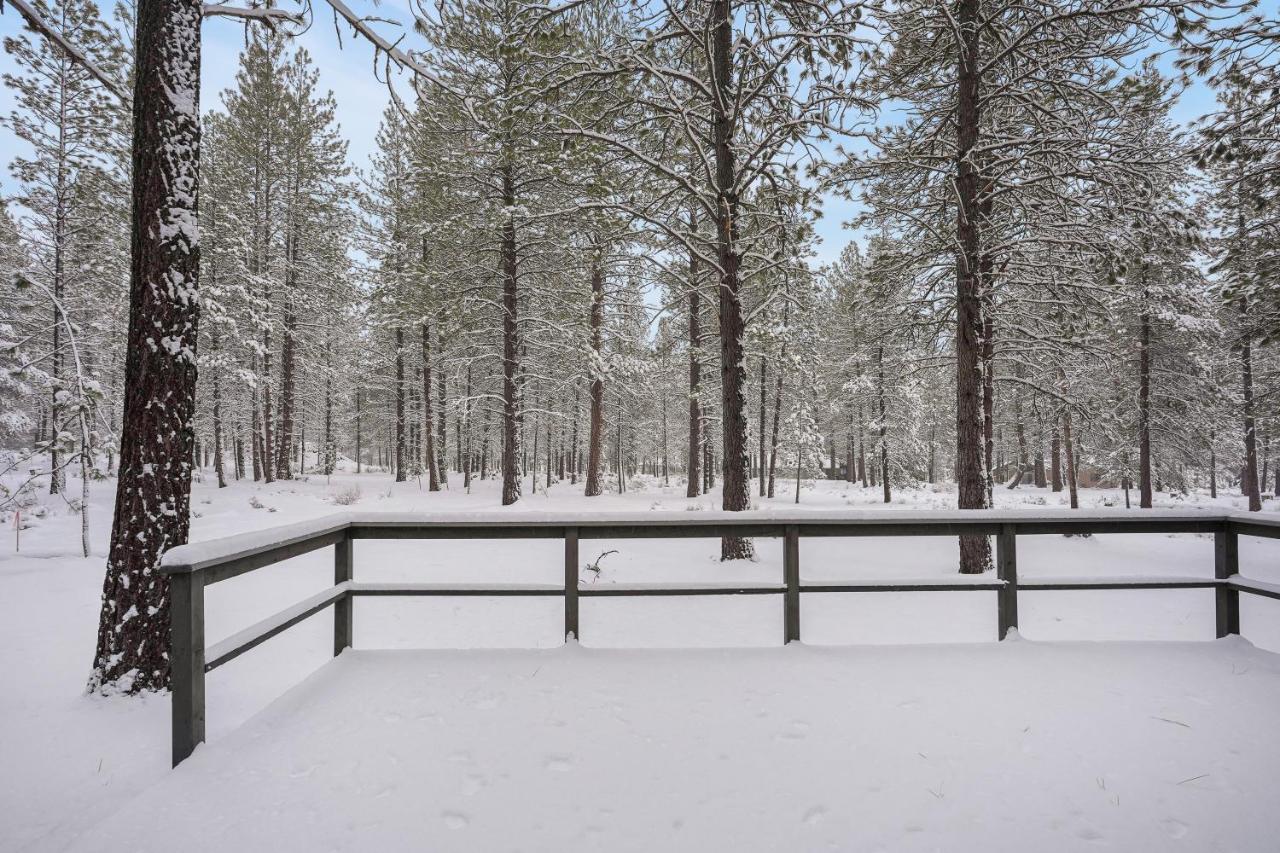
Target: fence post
[
  {"x": 343, "y": 608},
  {"x": 791, "y": 576},
  {"x": 186, "y": 662},
  {"x": 1007, "y": 571},
  {"x": 571, "y": 582},
  {"x": 1226, "y": 562}
]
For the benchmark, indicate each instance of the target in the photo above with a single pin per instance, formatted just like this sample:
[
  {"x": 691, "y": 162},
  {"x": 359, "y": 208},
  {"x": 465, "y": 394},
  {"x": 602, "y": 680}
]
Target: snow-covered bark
[{"x": 153, "y": 497}]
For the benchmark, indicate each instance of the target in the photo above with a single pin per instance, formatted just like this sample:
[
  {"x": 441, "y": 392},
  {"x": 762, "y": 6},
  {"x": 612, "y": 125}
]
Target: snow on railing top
[{"x": 196, "y": 556}]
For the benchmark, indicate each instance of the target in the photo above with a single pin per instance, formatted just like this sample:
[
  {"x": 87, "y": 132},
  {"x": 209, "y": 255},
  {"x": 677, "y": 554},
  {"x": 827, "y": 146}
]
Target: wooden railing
[{"x": 191, "y": 568}]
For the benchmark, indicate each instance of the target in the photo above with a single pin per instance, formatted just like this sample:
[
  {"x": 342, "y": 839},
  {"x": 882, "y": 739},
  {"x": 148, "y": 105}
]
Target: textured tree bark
[
  {"x": 862, "y": 450},
  {"x": 268, "y": 451},
  {"x": 510, "y": 348},
  {"x": 1055, "y": 459},
  {"x": 398, "y": 424},
  {"x": 573, "y": 441},
  {"x": 217, "y": 424},
  {"x": 695, "y": 371},
  {"x": 850, "y": 453},
  {"x": 777, "y": 410},
  {"x": 975, "y": 551},
  {"x": 764, "y": 408},
  {"x": 255, "y": 425},
  {"x": 57, "y": 477},
  {"x": 465, "y": 463},
  {"x": 442, "y": 438},
  {"x": 330, "y": 448},
  {"x": 595, "y": 433},
  {"x": 735, "y": 495},
  {"x": 1213, "y": 466},
  {"x": 1144, "y": 399},
  {"x": 988, "y": 361},
  {"x": 884, "y": 427},
  {"x": 359, "y": 431},
  {"x": 1020, "y": 430},
  {"x": 288, "y": 395},
  {"x": 1069, "y": 445},
  {"x": 428, "y": 423},
  {"x": 152, "y": 509},
  {"x": 1249, "y": 484}
]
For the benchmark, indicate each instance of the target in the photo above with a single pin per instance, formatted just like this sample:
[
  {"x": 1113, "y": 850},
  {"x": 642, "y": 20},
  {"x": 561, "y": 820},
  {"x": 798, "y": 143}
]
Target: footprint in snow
[
  {"x": 559, "y": 763},
  {"x": 455, "y": 820}
]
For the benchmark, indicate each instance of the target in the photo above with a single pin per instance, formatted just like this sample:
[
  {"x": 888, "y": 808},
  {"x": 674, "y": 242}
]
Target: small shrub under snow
[{"x": 347, "y": 496}]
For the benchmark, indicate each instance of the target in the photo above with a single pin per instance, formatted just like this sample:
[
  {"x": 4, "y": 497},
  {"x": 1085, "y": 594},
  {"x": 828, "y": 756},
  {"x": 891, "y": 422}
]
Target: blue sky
[{"x": 347, "y": 70}]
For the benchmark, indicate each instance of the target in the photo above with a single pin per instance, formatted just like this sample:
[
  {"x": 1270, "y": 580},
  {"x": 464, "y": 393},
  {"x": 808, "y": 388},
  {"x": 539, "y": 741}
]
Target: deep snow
[
  {"x": 1002, "y": 747},
  {"x": 79, "y": 759}
]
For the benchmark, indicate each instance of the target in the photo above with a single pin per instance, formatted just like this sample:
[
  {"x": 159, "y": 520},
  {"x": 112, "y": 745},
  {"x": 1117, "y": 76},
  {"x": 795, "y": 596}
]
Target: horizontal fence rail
[{"x": 190, "y": 568}]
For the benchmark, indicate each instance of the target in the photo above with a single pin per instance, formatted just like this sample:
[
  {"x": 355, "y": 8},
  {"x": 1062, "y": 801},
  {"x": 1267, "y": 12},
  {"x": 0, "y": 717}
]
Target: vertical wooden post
[
  {"x": 186, "y": 662},
  {"x": 570, "y": 582},
  {"x": 1226, "y": 562},
  {"x": 343, "y": 608},
  {"x": 1007, "y": 571},
  {"x": 791, "y": 576}
]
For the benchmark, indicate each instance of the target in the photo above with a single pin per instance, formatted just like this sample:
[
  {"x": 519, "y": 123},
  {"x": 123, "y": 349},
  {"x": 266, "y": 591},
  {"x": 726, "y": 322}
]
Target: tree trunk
[
  {"x": 442, "y": 424},
  {"x": 695, "y": 370},
  {"x": 975, "y": 551},
  {"x": 595, "y": 434},
  {"x": 1055, "y": 459},
  {"x": 1069, "y": 444},
  {"x": 1250, "y": 485},
  {"x": 428, "y": 424},
  {"x": 1144, "y": 400},
  {"x": 217, "y": 424},
  {"x": 884, "y": 427},
  {"x": 57, "y": 477},
  {"x": 736, "y": 494},
  {"x": 573, "y": 441},
  {"x": 1020, "y": 430},
  {"x": 284, "y": 443},
  {"x": 399, "y": 407},
  {"x": 1041, "y": 479},
  {"x": 933, "y": 453},
  {"x": 359, "y": 433},
  {"x": 862, "y": 450},
  {"x": 268, "y": 453},
  {"x": 1213, "y": 467},
  {"x": 510, "y": 348},
  {"x": 330, "y": 451},
  {"x": 152, "y": 510},
  {"x": 764, "y": 408},
  {"x": 666, "y": 471},
  {"x": 465, "y": 463}
]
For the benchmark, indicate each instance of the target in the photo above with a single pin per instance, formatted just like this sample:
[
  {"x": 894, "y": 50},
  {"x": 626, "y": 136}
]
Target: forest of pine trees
[{"x": 584, "y": 251}]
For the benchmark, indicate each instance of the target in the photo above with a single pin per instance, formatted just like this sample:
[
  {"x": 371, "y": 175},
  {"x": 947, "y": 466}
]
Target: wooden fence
[{"x": 191, "y": 568}]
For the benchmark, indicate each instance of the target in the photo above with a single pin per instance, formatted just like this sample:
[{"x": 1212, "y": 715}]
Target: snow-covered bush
[{"x": 347, "y": 496}]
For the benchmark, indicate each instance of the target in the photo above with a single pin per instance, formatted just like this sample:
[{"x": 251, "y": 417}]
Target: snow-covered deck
[{"x": 1011, "y": 746}]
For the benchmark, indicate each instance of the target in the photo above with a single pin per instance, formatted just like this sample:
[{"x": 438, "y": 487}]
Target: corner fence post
[
  {"x": 343, "y": 608},
  {"x": 1007, "y": 571},
  {"x": 1226, "y": 562},
  {"x": 571, "y": 582},
  {"x": 186, "y": 662},
  {"x": 791, "y": 576}
]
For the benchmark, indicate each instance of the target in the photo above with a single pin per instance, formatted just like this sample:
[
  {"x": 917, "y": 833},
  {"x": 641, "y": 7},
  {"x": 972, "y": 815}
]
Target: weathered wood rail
[{"x": 191, "y": 568}]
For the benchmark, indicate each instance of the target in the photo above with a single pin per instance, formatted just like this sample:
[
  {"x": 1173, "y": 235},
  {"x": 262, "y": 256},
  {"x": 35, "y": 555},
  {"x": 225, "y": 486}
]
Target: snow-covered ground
[
  {"x": 73, "y": 761},
  {"x": 1001, "y": 747}
]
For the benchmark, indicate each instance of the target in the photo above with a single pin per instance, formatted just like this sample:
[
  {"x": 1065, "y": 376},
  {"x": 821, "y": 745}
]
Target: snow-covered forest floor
[{"x": 1039, "y": 711}]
